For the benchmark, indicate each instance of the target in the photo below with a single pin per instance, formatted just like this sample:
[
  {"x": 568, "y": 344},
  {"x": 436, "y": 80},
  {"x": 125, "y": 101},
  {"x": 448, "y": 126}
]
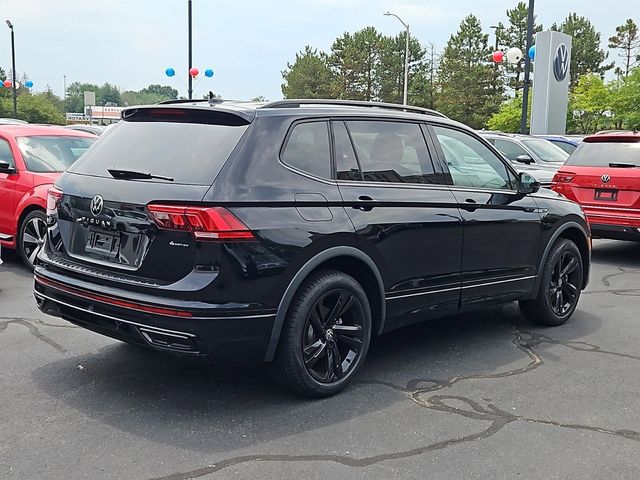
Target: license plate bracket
[
  {"x": 606, "y": 195},
  {"x": 104, "y": 244}
]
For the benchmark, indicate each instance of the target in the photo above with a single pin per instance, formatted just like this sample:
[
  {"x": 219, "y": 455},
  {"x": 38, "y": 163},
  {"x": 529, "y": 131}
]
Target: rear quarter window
[{"x": 307, "y": 149}]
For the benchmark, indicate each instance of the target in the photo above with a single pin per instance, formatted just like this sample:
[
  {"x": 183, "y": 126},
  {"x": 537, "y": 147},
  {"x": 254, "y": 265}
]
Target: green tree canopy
[
  {"x": 309, "y": 76},
  {"x": 625, "y": 100},
  {"x": 34, "y": 108},
  {"x": 586, "y": 54},
  {"x": 589, "y": 104},
  {"x": 627, "y": 41},
  {"x": 466, "y": 79}
]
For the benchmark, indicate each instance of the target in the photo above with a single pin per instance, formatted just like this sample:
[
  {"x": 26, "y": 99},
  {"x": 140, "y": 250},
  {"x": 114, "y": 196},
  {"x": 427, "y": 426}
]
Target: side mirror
[
  {"x": 527, "y": 184},
  {"x": 524, "y": 159},
  {"x": 5, "y": 167}
]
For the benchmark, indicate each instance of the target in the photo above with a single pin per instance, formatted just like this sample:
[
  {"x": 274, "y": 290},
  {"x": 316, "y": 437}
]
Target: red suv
[
  {"x": 31, "y": 158},
  {"x": 603, "y": 176}
]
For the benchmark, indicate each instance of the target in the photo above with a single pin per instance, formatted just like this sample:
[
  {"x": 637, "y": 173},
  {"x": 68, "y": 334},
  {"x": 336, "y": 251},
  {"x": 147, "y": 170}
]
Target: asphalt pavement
[{"x": 478, "y": 396}]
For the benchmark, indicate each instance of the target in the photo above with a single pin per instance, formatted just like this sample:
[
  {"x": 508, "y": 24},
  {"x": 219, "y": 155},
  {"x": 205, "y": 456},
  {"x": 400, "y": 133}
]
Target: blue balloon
[
  {"x": 208, "y": 73},
  {"x": 532, "y": 52},
  {"x": 170, "y": 72},
  {"x": 28, "y": 84}
]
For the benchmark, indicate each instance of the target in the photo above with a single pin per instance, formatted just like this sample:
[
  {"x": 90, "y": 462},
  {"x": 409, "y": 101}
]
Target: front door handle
[
  {"x": 469, "y": 204},
  {"x": 365, "y": 203}
]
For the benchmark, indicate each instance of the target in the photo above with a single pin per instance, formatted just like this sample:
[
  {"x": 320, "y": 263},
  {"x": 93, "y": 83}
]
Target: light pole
[
  {"x": 13, "y": 69},
  {"x": 190, "y": 52},
  {"x": 64, "y": 94},
  {"x": 527, "y": 71},
  {"x": 406, "y": 56}
]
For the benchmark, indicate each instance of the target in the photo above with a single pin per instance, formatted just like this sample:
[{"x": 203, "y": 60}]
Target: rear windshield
[
  {"x": 600, "y": 154},
  {"x": 190, "y": 153},
  {"x": 51, "y": 153}
]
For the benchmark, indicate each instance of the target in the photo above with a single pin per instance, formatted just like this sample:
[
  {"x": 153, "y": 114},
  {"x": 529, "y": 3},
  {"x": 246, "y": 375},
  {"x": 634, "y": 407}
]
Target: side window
[
  {"x": 307, "y": 149},
  {"x": 509, "y": 149},
  {"x": 392, "y": 152},
  {"x": 470, "y": 162},
  {"x": 346, "y": 163},
  {"x": 5, "y": 153}
]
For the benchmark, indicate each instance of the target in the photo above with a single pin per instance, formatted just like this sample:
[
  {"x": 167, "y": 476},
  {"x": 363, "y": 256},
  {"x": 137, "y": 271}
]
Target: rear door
[
  {"x": 502, "y": 228},
  {"x": 405, "y": 221},
  {"x": 108, "y": 222}
]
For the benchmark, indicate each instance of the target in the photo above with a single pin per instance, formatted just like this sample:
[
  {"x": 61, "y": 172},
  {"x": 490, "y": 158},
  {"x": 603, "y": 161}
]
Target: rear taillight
[
  {"x": 206, "y": 223},
  {"x": 53, "y": 200},
  {"x": 563, "y": 177}
]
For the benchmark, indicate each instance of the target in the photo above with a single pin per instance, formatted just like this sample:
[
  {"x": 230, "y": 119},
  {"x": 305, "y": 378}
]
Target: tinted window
[
  {"x": 52, "y": 153},
  {"x": 545, "y": 150},
  {"x": 600, "y": 154},
  {"x": 308, "y": 149},
  {"x": 5, "y": 153},
  {"x": 470, "y": 162},
  {"x": 510, "y": 149},
  {"x": 191, "y": 153},
  {"x": 346, "y": 163},
  {"x": 392, "y": 152}
]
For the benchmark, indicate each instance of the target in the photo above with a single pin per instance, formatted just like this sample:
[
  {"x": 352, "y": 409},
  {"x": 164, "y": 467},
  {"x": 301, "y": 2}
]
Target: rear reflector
[
  {"x": 206, "y": 223},
  {"x": 141, "y": 307},
  {"x": 53, "y": 199}
]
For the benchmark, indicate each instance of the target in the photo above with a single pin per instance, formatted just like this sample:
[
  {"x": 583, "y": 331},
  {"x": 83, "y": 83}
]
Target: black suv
[{"x": 293, "y": 232}]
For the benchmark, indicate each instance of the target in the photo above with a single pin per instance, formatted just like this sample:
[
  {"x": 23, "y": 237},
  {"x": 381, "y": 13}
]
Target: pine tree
[
  {"x": 309, "y": 77},
  {"x": 627, "y": 40},
  {"x": 466, "y": 79}
]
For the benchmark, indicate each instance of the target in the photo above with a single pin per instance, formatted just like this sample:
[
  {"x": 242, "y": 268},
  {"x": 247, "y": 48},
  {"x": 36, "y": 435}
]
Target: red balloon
[
  {"x": 497, "y": 56},
  {"x": 194, "y": 72},
  {"x": 7, "y": 83}
]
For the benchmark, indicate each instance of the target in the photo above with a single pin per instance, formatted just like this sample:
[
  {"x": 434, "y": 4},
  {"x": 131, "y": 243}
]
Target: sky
[{"x": 130, "y": 43}]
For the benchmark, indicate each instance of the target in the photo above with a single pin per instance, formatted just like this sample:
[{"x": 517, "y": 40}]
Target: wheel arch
[
  {"x": 349, "y": 260},
  {"x": 577, "y": 233}
]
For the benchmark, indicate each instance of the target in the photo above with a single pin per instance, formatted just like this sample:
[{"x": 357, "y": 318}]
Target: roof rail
[{"x": 353, "y": 103}]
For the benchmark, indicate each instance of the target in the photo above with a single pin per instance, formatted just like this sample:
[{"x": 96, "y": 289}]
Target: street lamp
[
  {"x": 497, "y": 28},
  {"x": 13, "y": 68},
  {"x": 406, "y": 55}
]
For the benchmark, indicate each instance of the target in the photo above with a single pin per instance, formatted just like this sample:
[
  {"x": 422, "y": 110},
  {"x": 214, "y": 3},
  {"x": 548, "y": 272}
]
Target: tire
[
  {"x": 560, "y": 286},
  {"x": 31, "y": 233},
  {"x": 325, "y": 336}
]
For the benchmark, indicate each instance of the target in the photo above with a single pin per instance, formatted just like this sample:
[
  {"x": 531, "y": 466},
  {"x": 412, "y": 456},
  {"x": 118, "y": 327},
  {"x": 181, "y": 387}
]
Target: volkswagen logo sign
[
  {"x": 97, "y": 203},
  {"x": 605, "y": 178},
  {"x": 561, "y": 63}
]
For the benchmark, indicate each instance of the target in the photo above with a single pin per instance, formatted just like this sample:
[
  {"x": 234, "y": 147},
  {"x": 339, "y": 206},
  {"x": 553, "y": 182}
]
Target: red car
[
  {"x": 603, "y": 176},
  {"x": 31, "y": 158}
]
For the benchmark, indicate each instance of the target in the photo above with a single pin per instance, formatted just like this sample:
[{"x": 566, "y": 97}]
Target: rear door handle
[{"x": 365, "y": 203}]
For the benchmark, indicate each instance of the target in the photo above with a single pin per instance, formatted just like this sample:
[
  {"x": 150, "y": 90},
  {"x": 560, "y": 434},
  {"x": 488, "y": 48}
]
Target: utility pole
[
  {"x": 190, "y": 52},
  {"x": 64, "y": 80},
  {"x": 13, "y": 69},
  {"x": 527, "y": 71}
]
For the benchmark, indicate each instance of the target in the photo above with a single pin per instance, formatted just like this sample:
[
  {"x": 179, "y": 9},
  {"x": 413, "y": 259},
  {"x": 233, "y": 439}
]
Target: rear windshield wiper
[
  {"x": 133, "y": 175},
  {"x": 622, "y": 165}
]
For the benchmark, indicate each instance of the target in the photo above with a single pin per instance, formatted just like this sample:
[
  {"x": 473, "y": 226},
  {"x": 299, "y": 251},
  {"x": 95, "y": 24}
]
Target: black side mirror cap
[
  {"x": 5, "y": 167},
  {"x": 527, "y": 184},
  {"x": 524, "y": 159}
]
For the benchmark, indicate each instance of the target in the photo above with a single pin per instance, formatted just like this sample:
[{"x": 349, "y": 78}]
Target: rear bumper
[
  {"x": 615, "y": 232},
  {"x": 224, "y": 336}
]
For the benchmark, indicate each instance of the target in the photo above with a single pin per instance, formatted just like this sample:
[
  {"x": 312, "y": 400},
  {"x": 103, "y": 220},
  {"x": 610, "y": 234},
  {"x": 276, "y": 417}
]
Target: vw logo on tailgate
[
  {"x": 561, "y": 63},
  {"x": 97, "y": 203},
  {"x": 605, "y": 178}
]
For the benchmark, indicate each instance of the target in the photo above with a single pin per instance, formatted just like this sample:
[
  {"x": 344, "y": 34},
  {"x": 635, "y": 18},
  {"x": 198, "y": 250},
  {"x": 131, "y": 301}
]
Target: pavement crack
[
  {"x": 622, "y": 271},
  {"x": 33, "y": 330}
]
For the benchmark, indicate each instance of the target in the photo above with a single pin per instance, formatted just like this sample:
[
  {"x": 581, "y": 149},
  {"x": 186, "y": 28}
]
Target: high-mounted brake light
[
  {"x": 206, "y": 223},
  {"x": 53, "y": 200}
]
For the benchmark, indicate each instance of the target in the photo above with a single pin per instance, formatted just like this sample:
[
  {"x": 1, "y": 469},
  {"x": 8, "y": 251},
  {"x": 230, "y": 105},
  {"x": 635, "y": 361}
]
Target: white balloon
[
  {"x": 17, "y": 84},
  {"x": 514, "y": 55}
]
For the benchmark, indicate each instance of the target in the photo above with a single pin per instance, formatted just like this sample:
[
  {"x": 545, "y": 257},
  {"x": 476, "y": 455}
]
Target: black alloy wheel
[
  {"x": 325, "y": 336},
  {"x": 33, "y": 230},
  {"x": 560, "y": 286},
  {"x": 563, "y": 286},
  {"x": 332, "y": 336}
]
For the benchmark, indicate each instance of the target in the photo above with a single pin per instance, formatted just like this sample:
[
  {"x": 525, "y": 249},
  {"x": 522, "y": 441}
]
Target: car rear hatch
[
  {"x": 129, "y": 210},
  {"x": 603, "y": 175}
]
